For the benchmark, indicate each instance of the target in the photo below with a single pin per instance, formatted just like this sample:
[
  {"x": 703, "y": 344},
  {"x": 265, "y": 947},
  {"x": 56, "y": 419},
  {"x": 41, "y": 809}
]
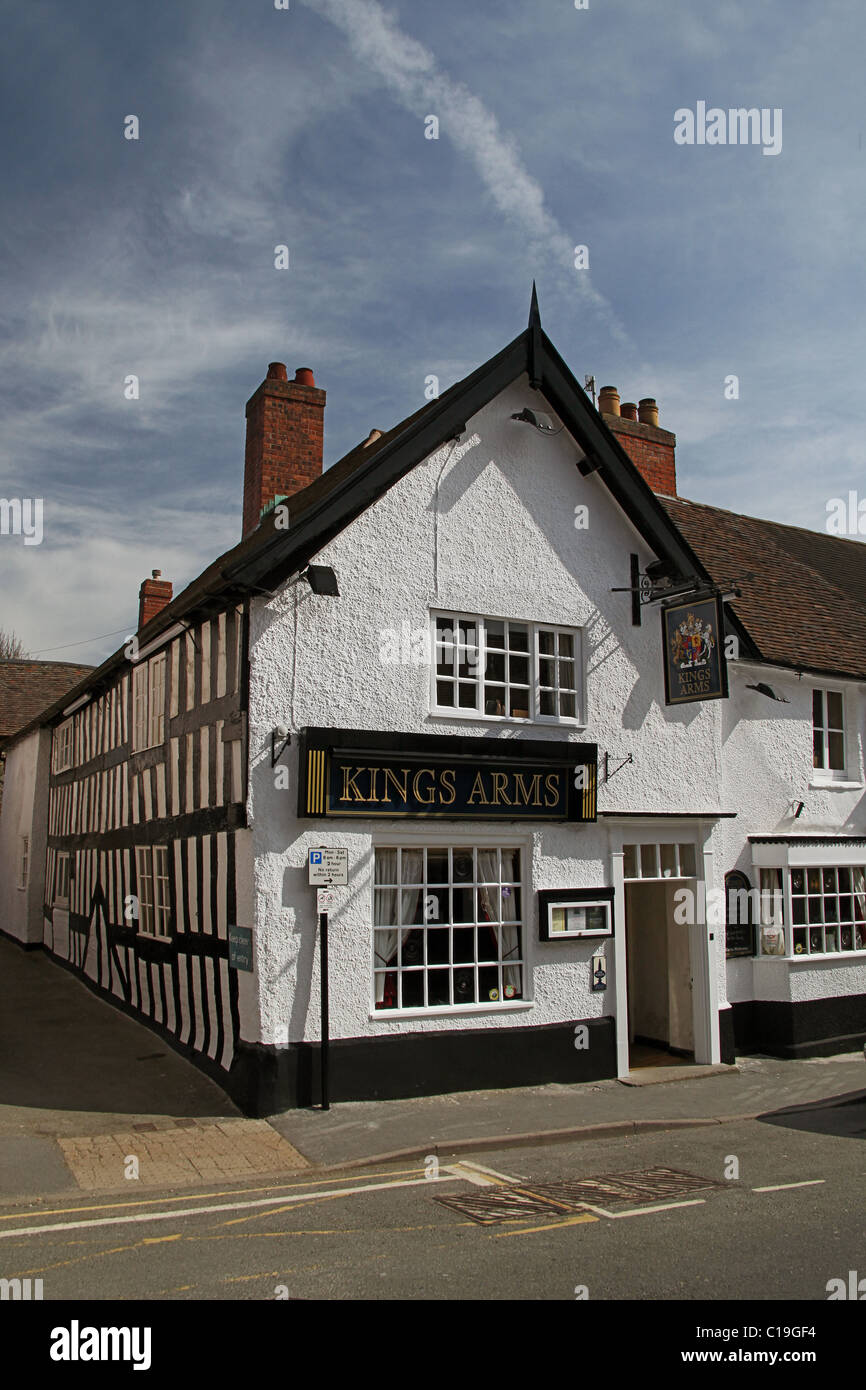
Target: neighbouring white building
[{"x": 551, "y": 711}]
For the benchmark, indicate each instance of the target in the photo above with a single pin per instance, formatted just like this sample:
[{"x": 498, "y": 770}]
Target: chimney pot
[
  {"x": 608, "y": 400},
  {"x": 648, "y": 412},
  {"x": 153, "y": 596},
  {"x": 629, "y": 410},
  {"x": 285, "y": 436}
]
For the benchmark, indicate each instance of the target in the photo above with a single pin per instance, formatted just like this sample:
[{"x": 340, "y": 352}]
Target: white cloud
[{"x": 411, "y": 73}]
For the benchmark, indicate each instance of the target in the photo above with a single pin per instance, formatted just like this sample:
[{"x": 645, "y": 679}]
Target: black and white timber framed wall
[{"x": 186, "y": 793}]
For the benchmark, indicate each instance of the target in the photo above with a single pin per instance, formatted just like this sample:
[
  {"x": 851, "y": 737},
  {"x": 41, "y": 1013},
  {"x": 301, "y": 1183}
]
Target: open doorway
[{"x": 658, "y": 953}]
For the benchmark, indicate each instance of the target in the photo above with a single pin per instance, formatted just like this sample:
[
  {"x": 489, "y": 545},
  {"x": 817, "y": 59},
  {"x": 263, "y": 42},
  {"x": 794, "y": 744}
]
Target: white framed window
[
  {"x": 148, "y": 703},
  {"x": 61, "y": 879},
  {"x": 828, "y": 733},
  {"x": 156, "y": 709},
  {"x": 447, "y": 926},
  {"x": 63, "y": 745},
  {"x": 659, "y": 860},
  {"x": 24, "y": 862},
  {"x": 496, "y": 668},
  {"x": 154, "y": 890},
  {"x": 828, "y": 909}
]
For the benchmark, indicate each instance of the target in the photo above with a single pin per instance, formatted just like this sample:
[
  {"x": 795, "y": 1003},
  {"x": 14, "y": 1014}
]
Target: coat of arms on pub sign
[{"x": 693, "y": 638}]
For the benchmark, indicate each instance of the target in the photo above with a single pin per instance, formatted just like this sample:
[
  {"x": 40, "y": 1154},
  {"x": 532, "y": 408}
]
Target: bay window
[
  {"x": 828, "y": 910},
  {"x": 813, "y": 910}
]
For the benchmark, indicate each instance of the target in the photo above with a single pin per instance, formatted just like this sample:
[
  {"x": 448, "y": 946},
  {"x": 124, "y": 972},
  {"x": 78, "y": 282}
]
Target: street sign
[
  {"x": 328, "y": 866},
  {"x": 325, "y": 900},
  {"x": 241, "y": 947}
]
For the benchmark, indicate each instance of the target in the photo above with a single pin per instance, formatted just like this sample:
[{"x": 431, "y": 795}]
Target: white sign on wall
[{"x": 328, "y": 866}]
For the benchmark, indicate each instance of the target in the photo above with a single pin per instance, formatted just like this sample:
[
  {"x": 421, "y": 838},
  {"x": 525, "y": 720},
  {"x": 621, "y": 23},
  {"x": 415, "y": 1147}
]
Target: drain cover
[{"x": 606, "y": 1189}]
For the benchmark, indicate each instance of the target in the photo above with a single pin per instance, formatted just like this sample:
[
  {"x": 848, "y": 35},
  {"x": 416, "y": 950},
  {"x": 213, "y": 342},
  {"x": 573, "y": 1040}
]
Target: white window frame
[
  {"x": 24, "y": 862},
  {"x": 664, "y": 857},
  {"x": 153, "y": 887},
  {"x": 148, "y": 703},
  {"x": 823, "y": 772},
  {"x": 62, "y": 878},
  {"x": 156, "y": 701},
  {"x": 479, "y": 651},
  {"x": 432, "y": 839},
  {"x": 802, "y": 933},
  {"x": 64, "y": 745}
]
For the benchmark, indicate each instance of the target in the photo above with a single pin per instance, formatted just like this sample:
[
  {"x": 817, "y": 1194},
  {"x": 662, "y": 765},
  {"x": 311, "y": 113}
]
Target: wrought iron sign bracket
[
  {"x": 284, "y": 739},
  {"x": 655, "y": 586},
  {"x": 624, "y": 763}
]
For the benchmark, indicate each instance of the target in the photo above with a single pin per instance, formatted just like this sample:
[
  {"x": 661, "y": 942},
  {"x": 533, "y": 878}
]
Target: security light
[
  {"x": 767, "y": 690},
  {"x": 533, "y": 417},
  {"x": 322, "y": 580}
]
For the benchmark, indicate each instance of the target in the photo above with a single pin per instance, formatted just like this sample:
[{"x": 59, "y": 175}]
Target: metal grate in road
[
  {"x": 508, "y": 1204},
  {"x": 607, "y": 1189}
]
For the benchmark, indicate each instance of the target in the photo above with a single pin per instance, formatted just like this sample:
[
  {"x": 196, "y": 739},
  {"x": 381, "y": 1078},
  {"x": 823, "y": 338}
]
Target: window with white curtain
[{"x": 446, "y": 926}]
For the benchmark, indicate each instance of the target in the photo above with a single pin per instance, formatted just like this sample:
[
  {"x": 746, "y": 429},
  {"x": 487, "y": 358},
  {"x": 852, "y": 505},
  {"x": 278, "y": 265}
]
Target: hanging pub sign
[
  {"x": 694, "y": 658},
  {"x": 356, "y": 773}
]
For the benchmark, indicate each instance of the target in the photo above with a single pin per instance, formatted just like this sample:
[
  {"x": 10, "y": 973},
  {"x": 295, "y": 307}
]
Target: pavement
[{"x": 91, "y": 1100}]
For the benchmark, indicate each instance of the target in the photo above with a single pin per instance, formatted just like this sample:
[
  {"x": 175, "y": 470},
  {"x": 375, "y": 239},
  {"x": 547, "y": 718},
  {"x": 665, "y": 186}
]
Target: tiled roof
[
  {"x": 28, "y": 687},
  {"x": 803, "y": 592}
]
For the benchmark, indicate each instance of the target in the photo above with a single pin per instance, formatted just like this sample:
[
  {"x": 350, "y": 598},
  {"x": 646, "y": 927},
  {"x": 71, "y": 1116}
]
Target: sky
[{"x": 409, "y": 256}]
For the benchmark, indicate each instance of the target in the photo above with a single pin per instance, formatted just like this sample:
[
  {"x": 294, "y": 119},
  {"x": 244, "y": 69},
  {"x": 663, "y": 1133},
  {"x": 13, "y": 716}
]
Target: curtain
[
  {"x": 858, "y": 877},
  {"x": 772, "y": 914},
  {"x": 386, "y": 906},
  {"x": 508, "y": 933}
]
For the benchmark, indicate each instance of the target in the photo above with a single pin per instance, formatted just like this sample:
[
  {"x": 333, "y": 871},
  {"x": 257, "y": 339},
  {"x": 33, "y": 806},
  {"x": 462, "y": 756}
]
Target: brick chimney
[
  {"x": 285, "y": 434},
  {"x": 637, "y": 430},
  {"x": 153, "y": 595}
]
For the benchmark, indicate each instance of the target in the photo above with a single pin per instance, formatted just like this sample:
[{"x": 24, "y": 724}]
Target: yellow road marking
[
  {"x": 204, "y": 1196},
  {"x": 783, "y": 1186},
  {"x": 554, "y": 1225}
]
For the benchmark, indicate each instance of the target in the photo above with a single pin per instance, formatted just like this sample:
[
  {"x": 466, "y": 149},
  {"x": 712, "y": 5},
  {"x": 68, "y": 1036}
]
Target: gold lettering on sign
[
  {"x": 500, "y": 782},
  {"x": 531, "y": 795},
  {"x": 349, "y": 781},
  {"x": 446, "y": 786},
  {"x": 551, "y": 782},
  {"x": 374, "y": 773},
  {"x": 402, "y": 790},
  {"x": 477, "y": 790},
  {"x": 424, "y": 772}
]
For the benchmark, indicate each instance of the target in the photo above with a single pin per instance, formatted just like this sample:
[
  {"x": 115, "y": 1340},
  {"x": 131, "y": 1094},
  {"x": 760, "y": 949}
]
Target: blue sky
[{"x": 408, "y": 256}]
